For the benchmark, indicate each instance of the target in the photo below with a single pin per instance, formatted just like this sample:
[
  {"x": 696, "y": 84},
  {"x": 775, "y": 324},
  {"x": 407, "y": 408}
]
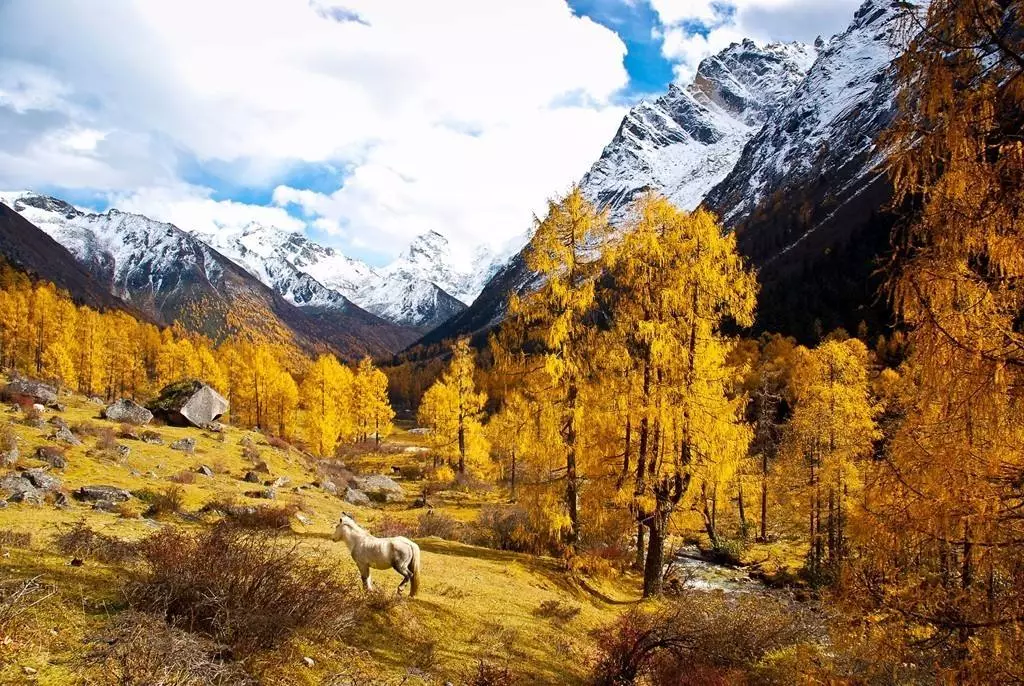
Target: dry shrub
[
  {"x": 106, "y": 440},
  {"x": 557, "y": 611},
  {"x": 18, "y": 597},
  {"x": 277, "y": 517},
  {"x": 247, "y": 589},
  {"x": 137, "y": 649},
  {"x": 470, "y": 483},
  {"x": 30, "y": 415},
  {"x": 151, "y": 436},
  {"x": 509, "y": 527},
  {"x": 278, "y": 442},
  {"x": 51, "y": 454},
  {"x": 128, "y": 431},
  {"x": 185, "y": 476},
  {"x": 443, "y": 526},
  {"x": 250, "y": 452},
  {"x": 15, "y": 539},
  {"x": 81, "y": 541},
  {"x": 8, "y": 437},
  {"x": 87, "y": 428},
  {"x": 487, "y": 674},
  {"x": 167, "y": 502},
  {"x": 701, "y": 638},
  {"x": 412, "y": 472},
  {"x": 388, "y": 527}
]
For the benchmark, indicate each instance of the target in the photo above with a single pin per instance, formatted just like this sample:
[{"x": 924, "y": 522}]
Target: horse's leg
[
  {"x": 403, "y": 569},
  {"x": 364, "y": 573}
]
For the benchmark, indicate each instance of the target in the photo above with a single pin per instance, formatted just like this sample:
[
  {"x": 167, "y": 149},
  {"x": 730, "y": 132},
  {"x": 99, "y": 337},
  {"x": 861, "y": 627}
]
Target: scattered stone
[
  {"x": 189, "y": 402},
  {"x": 380, "y": 488},
  {"x": 77, "y": 562},
  {"x": 36, "y": 390},
  {"x": 57, "y": 407},
  {"x": 122, "y": 450},
  {"x": 64, "y": 435},
  {"x": 29, "y": 670},
  {"x": 308, "y": 661},
  {"x": 51, "y": 456},
  {"x": 152, "y": 475},
  {"x": 266, "y": 493},
  {"x": 186, "y": 444},
  {"x": 32, "y": 495},
  {"x": 61, "y": 500},
  {"x": 103, "y": 493},
  {"x": 42, "y": 479},
  {"x": 262, "y": 467},
  {"x": 204, "y": 470},
  {"x": 96, "y": 400},
  {"x": 13, "y": 483},
  {"x": 330, "y": 487},
  {"x": 58, "y": 422},
  {"x": 214, "y": 427},
  {"x": 353, "y": 496},
  {"x": 303, "y": 519},
  {"x": 128, "y": 432},
  {"x": 280, "y": 482},
  {"x": 251, "y": 477},
  {"x": 10, "y": 457},
  {"x": 128, "y": 412},
  {"x": 105, "y": 506},
  {"x": 39, "y": 408},
  {"x": 151, "y": 437}
]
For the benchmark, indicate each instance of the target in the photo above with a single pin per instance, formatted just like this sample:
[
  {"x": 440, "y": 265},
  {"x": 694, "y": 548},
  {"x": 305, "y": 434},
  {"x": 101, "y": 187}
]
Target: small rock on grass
[
  {"x": 204, "y": 470},
  {"x": 308, "y": 661}
]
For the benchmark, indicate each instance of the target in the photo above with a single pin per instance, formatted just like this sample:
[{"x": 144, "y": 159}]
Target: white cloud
[
  {"x": 451, "y": 115},
  {"x": 729, "y": 21},
  {"x": 192, "y": 207}
]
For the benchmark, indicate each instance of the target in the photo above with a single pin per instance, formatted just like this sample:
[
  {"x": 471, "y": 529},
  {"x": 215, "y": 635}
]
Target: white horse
[{"x": 368, "y": 551}]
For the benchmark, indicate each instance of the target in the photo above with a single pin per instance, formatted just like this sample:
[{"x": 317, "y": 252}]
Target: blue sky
[{"x": 363, "y": 123}]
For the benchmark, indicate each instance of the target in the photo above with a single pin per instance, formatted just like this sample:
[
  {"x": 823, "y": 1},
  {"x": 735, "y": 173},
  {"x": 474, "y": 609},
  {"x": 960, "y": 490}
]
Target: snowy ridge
[
  {"x": 830, "y": 122},
  {"x": 686, "y": 141}
]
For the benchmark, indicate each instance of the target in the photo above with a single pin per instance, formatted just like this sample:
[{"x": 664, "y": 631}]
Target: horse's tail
[{"x": 414, "y": 585}]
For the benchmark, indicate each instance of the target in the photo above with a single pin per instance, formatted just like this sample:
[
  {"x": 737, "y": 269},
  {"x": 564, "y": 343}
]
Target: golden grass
[{"x": 475, "y": 603}]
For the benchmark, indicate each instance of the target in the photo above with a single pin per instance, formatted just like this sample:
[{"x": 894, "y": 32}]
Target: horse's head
[{"x": 346, "y": 527}]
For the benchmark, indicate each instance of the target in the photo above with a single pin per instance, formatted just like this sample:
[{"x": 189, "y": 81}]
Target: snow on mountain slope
[
  {"x": 830, "y": 122},
  {"x": 171, "y": 275},
  {"x": 686, "y": 141}
]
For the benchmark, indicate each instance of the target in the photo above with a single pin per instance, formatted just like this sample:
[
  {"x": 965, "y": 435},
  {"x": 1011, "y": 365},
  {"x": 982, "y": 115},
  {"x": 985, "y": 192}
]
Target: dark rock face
[{"x": 129, "y": 412}]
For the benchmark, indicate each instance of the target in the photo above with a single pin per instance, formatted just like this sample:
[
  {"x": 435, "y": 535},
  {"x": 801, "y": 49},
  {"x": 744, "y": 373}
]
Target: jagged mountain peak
[{"x": 684, "y": 142}]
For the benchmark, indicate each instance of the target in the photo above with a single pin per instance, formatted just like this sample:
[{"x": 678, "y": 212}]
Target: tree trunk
[
  {"x": 655, "y": 564},
  {"x": 462, "y": 448},
  {"x": 512, "y": 489},
  {"x": 743, "y": 511},
  {"x": 640, "y": 550},
  {"x": 572, "y": 494},
  {"x": 764, "y": 498}
]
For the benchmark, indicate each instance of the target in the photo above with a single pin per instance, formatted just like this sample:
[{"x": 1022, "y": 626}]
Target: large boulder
[
  {"x": 37, "y": 391},
  {"x": 191, "y": 402},
  {"x": 353, "y": 496},
  {"x": 64, "y": 435},
  {"x": 380, "y": 488},
  {"x": 42, "y": 479},
  {"x": 128, "y": 412}
]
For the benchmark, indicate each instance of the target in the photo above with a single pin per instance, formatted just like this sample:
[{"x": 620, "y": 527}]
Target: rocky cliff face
[{"x": 686, "y": 141}]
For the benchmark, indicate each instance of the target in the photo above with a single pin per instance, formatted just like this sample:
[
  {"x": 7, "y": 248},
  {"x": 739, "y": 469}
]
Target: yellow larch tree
[
  {"x": 326, "y": 396},
  {"x": 452, "y": 409},
  {"x": 373, "y": 413},
  {"x": 677, "y": 279},
  {"x": 550, "y": 323}
]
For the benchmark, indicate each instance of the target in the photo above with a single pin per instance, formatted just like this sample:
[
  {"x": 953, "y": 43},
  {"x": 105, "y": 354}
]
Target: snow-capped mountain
[
  {"x": 686, "y": 141},
  {"x": 171, "y": 275},
  {"x": 781, "y": 142}
]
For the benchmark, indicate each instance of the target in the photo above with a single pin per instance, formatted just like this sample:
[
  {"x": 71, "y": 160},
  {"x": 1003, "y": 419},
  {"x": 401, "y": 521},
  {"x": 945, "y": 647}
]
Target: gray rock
[
  {"x": 330, "y": 487},
  {"x": 261, "y": 467},
  {"x": 42, "y": 479},
  {"x": 52, "y": 456},
  {"x": 58, "y": 422},
  {"x": 151, "y": 437},
  {"x": 10, "y": 457},
  {"x": 103, "y": 493},
  {"x": 190, "y": 402},
  {"x": 280, "y": 482},
  {"x": 215, "y": 427},
  {"x": 186, "y": 444},
  {"x": 57, "y": 407},
  {"x": 38, "y": 391},
  {"x": 128, "y": 412},
  {"x": 266, "y": 493},
  {"x": 15, "y": 482},
  {"x": 60, "y": 499},
  {"x": 30, "y": 495},
  {"x": 380, "y": 488},
  {"x": 251, "y": 477},
  {"x": 353, "y": 496},
  {"x": 64, "y": 435},
  {"x": 96, "y": 400},
  {"x": 105, "y": 506},
  {"x": 204, "y": 470},
  {"x": 122, "y": 450}
]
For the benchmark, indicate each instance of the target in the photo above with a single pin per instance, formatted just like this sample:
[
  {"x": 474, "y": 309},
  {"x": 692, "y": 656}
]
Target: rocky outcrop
[
  {"x": 192, "y": 402},
  {"x": 129, "y": 412},
  {"x": 379, "y": 488},
  {"x": 37, "y": 391}
]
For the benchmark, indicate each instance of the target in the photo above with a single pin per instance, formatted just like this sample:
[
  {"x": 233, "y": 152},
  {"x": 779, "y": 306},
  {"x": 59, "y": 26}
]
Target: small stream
[{"x": 702, "y": 575}]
